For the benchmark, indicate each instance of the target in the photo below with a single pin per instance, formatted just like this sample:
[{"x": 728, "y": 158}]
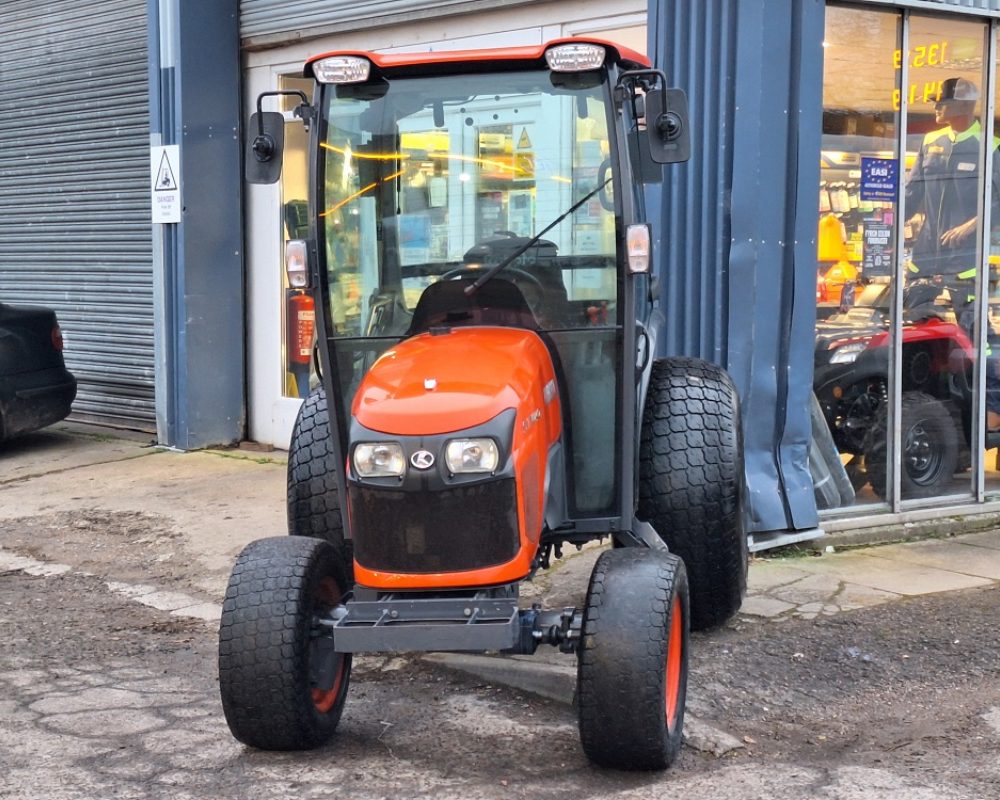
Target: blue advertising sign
[{"x": 879, "y": 179}]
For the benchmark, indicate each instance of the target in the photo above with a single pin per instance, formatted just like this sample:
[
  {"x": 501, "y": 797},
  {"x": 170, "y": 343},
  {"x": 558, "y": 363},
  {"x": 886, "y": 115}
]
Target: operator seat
[{"x": 496, "y": 302}]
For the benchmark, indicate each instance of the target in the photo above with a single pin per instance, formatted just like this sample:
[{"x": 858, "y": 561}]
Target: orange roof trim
[{"x": 627, "y": 57}]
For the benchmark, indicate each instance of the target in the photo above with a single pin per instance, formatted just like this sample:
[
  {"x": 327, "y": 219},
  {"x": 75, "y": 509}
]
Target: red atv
[{"x": 851, "y": 383}]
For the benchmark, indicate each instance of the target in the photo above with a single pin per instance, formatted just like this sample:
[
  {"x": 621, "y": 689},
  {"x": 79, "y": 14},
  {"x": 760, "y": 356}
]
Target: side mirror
[
  {"x": 265, "y": 143},
  {"x": 667, "y": 126}
]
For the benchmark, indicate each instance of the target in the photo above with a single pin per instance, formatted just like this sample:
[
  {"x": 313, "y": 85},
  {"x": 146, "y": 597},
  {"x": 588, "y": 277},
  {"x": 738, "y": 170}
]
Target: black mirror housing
[
  {"x": 668, "y": 128},
  {"x": 265, "y": 143}
]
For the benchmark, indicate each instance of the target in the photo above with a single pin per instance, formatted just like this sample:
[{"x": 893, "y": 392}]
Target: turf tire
[
  {"x": 691, "y": 481},
  {"x": 313, "y": 498},
  {"x": 632, "y": 658},
  {"x": 266, "y": 644}
]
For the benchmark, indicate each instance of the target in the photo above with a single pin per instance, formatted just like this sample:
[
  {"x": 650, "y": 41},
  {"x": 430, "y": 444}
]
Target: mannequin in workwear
[{"x": 942, "y": 194}]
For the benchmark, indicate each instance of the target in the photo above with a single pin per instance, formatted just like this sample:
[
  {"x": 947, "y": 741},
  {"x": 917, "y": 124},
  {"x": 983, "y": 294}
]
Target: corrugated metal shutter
[
  {"x": 992, "y": 6},
  {"x": 75, "y": 231},
  {"x": 989, "y": 8},
  {"x": 270, "y": 22}
]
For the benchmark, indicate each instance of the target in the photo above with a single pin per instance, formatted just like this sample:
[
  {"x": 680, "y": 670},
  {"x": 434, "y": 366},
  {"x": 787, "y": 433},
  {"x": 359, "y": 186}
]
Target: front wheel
[
  {"x": 282, "y": 686},
  {"x": 632, "y": 660},
  {"x": 930, "y": 443}
]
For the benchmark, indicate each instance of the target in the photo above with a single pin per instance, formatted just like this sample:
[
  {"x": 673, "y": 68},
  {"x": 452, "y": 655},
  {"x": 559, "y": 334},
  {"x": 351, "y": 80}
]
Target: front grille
[{"x": 460, "y": 529}]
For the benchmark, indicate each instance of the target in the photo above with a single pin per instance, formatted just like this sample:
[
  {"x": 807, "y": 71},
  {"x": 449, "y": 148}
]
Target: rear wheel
[
  {"x": 282, "y": 686},
  {"x": 691, "y": 482},
  {"x": 930, "y": 443},
  {"x": 632, "y": 660},
  {"x": 313, "y": 499}
]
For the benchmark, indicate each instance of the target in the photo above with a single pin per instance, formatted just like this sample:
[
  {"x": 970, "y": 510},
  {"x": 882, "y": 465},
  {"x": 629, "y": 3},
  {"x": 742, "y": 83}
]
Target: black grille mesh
[{"x": 455, "y": 530}]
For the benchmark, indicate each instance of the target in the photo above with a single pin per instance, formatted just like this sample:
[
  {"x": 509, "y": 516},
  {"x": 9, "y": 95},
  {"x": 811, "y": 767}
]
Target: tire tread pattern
[
  {"x": 313, "y": 498},
  {"x": 691, "y": 481},
  {"x": 914, "y": 406},
  {"x": 621, "y": 666},
  {"x": 264, "y": 639}
]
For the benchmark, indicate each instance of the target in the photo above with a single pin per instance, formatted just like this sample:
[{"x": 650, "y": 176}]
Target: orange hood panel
[{"x": 444, "y": 382}]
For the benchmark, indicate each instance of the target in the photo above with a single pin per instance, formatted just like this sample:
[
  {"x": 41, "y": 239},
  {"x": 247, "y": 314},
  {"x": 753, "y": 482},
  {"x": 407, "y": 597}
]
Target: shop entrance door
[{"x": 901, "y": 239}]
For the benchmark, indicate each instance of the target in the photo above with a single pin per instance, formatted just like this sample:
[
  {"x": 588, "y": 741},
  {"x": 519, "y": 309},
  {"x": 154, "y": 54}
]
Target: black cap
[{"x": 958, "y": 89}]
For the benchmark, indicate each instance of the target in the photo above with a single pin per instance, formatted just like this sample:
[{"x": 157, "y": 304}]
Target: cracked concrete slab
[
  {"x": 954, "y": 556},
  {"x": 758, "y": 605},
  {"x": 903, "y": 578},
  {"x": 767, "y": 575},
  {"x": 990, "y": 539}
]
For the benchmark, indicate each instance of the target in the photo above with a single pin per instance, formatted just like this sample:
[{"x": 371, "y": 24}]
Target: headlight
[
  {"x": 471, "y": 455},
  {"x": 848, "y": 353},
  {"x": 379, "y": 460}
]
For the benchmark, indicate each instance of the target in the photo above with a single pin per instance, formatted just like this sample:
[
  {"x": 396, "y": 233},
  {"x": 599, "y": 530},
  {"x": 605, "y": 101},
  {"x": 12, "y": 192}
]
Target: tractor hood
[{"x": 451, "y": 380}]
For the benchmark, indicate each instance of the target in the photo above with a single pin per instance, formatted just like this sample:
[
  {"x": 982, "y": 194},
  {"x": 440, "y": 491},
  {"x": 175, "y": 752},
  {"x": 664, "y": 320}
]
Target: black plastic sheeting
[{"x": 736, "y": 243}]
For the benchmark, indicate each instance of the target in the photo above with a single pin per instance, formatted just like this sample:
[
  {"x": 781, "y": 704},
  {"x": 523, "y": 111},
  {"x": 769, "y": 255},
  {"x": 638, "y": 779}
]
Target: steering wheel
[
  {"x": 472, "y": 272},
  {"x": 534, "y": 296}
]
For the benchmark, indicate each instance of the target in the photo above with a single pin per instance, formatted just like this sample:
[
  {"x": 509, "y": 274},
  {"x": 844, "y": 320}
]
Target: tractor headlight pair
[{"x": 387, "y": 460}]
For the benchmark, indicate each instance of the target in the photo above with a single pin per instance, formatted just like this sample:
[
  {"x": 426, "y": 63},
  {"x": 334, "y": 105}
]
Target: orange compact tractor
[{"x": 486, "y": 320}]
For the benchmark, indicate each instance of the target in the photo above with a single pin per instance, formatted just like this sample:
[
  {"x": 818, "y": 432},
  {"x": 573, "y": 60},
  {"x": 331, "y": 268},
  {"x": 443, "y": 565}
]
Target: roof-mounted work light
[
  {"x": 574, "y": 57},
  {"x": 342, "y": 69}
]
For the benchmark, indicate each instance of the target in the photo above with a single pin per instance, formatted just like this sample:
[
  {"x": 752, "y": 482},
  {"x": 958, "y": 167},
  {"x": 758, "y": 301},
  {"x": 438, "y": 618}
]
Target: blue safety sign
[{"x": 879, "y": 179}]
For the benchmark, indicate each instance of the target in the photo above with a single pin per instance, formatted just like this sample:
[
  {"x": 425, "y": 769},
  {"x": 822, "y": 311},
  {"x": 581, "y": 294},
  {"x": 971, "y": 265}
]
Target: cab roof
[{"x": 480, "y": 60}]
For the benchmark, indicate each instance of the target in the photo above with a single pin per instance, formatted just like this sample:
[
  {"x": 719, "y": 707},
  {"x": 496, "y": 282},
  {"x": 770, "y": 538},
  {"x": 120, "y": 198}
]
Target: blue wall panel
[
  {"x": 738, "y": 223},
  {"x": 195, "y": 103}
]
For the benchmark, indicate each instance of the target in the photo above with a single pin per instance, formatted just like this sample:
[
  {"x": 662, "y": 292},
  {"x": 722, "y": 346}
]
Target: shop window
[
  {"x": 991, "y": 459},
  {"x": 914, "y": 370}
]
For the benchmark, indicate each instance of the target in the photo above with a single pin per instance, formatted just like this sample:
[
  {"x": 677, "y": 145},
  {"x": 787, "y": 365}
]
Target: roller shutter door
[
  {"x": 271, "y": 22},
  {"x": 75, "y": 231}
]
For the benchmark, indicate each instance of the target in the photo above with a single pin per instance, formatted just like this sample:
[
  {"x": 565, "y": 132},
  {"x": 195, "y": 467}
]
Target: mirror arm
[{"x": 263, "y": 144}]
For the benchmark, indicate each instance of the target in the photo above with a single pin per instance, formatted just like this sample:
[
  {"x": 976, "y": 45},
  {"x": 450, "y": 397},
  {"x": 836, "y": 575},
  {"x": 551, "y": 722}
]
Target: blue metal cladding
[
  {"x": 195, "y": 103},
  {"x": 738, "y": 223},
  {"x": 694, "y": 44}
]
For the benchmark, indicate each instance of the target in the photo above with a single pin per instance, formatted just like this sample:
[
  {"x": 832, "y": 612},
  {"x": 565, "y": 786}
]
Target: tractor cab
[
  {"x": 480, "y": 260},
  {"x": 455, "y": 190}
]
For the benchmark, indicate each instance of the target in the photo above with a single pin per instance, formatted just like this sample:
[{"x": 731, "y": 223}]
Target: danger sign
[{"x": 164, "y": 165}]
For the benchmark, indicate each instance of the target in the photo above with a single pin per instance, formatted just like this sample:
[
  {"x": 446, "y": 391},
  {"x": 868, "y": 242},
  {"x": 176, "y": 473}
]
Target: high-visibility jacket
[{"x": 944, "y": 186}]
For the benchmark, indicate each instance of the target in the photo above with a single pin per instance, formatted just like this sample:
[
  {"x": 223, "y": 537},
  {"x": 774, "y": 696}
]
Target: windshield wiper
[{"x": 474, "y": 287}]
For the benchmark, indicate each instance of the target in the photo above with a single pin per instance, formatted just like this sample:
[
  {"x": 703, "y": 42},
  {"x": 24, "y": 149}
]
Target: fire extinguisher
[{"x": 301, "y": 317}]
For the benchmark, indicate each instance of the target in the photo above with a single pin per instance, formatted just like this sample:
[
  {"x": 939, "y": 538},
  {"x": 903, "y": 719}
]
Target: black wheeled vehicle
[
  {"x": 852, "y": 384},
  {"x": 480, "y": 262},
  {"x": 36, "y": 389}
]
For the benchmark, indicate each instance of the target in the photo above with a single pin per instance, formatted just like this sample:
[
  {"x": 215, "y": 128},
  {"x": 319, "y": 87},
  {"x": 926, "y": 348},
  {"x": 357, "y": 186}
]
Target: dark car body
[{"x": 36, "y": 389}]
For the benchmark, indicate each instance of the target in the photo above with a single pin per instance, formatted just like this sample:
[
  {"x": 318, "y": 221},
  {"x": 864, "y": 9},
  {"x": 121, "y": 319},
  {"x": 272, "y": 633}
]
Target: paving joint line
[
  {"x": 209, "y": 612},
  {"x": 21, "y": 478}
]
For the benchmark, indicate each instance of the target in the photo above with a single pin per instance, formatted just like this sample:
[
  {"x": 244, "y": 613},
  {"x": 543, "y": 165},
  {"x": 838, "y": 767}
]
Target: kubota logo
[{"x": 422, "y": 459}]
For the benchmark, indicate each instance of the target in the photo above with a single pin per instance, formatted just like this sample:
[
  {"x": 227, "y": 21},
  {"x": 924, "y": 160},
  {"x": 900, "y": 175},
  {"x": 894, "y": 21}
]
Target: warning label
[
  {"x": 165, "y": 180},
  {"x": 164, "y": 165}
]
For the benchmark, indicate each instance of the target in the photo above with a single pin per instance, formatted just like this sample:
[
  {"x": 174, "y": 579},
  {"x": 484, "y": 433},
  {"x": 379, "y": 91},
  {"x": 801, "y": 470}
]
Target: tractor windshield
[
  {"x": 430, "y": 179},
  {"x": 426, "y": 183}
]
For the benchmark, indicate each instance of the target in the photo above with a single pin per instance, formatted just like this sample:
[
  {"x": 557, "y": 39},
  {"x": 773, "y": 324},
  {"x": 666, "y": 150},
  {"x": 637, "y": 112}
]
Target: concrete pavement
[{"x": 214, "y": 502}]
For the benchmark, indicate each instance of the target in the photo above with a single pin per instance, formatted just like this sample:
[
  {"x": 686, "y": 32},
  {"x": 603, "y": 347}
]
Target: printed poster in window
[{"x": 878, "y": 245}]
